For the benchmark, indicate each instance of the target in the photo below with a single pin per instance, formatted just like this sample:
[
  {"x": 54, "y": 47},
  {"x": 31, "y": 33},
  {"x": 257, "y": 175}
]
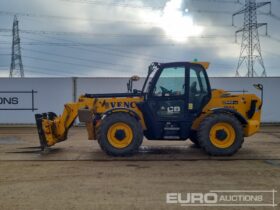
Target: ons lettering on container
[{"x": 9, "y": 100}]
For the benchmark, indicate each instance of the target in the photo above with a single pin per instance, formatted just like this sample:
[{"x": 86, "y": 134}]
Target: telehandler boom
[{"x": 177, "y": 103}]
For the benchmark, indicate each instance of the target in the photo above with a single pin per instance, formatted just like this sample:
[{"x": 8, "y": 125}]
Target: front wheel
[
  {"x": 220, "y": 134},
  {"x": 119, "y": 134}
]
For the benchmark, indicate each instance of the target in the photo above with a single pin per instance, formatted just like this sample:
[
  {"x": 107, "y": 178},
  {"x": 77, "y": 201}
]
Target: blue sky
[{"x": 121, "y": 38}]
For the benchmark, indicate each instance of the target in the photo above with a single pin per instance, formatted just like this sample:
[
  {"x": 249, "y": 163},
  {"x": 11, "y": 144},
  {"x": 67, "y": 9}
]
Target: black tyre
[
  {"x": 193, "y": 138},
  {"x": 220, "y": 134},
  {"x": 119, "y": 134}
]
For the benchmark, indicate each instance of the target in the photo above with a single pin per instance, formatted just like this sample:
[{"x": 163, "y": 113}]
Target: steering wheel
[{"x": 165, "y": 91}]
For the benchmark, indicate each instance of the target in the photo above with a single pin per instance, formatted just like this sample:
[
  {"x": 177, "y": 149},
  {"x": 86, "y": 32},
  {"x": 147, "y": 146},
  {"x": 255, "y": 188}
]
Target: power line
[
  {"x": 274, "y": 16},
  {"x": 216, "y": 64},
  {"x": 57, "y": 61},
  {"x": 54, "y": 71},
  {"x": 102, "y": 3},
  {"x": 219, "y": 1},
  {"x": 63, "y": 33},
  {"x": 272, "y": 53},
  {"x": 273, "y": 38},
  {"x": 125, "y": 53},
  {"x": 101, "y": 49},
  {"x": 115, "y": 52},
  {"x": 213, "y": 12},
  {"x": 77, "y": 58},
  {"x": 120, "y": 53},
  {"x": 45, "y": 73},
  {"x": 5, "y": 35},
  {"x": 55, "y": 44},
  {"x": 113, "y": 4},
  {"x": 73, "y": 64},
  {"x": 68, "y": 18}
]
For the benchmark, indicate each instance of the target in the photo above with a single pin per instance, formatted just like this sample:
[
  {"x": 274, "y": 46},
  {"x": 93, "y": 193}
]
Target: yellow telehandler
[{"x": 176, "y": 103}]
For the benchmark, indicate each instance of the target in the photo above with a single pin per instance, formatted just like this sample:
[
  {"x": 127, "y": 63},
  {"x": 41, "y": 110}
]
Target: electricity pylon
[
  {"x": 16, "y": 68},
  {"x": 250, "y": 52}
]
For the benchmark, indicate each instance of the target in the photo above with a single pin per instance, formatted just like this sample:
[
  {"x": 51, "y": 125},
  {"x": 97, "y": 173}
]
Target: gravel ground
[{"x": 77, "y": 175}]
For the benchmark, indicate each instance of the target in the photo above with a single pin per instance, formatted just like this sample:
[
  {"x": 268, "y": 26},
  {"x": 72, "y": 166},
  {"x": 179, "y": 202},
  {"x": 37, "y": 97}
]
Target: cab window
[
  {"x": 171, "y": 82},
  {"x": 194, "y": 82},
  {"x": 198, "y": 88},
  {"x": 204, "y": 85}
]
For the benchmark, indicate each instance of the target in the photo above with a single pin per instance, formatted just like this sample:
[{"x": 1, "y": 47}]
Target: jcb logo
[{"x": 173, "y": 109}]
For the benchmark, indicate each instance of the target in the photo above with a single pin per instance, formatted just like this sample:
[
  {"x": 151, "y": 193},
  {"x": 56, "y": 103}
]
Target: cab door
[
  {"x": 199, "y": 91},
  {"x": 167, "y": 99},
  {"x": 165, "y": 107}
]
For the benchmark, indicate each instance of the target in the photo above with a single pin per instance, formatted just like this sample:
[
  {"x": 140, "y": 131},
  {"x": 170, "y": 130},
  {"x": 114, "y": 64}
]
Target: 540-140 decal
[{"x": 230, "y": 102}]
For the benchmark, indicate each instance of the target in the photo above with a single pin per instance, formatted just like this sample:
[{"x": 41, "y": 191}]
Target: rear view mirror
[
  {"x": 258, "y": 86},
  {"x": 130, "y": 83},
  {"x": 135, "y": 78}
]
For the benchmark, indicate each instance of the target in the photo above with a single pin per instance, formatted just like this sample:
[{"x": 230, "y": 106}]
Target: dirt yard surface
[{"x": 76, "y": 175}]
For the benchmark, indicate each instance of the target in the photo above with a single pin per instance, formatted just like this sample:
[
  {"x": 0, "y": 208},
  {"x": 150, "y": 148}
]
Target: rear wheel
[
  {"x": 119, "y": 134},
  {"x": 220, "y": 134}
]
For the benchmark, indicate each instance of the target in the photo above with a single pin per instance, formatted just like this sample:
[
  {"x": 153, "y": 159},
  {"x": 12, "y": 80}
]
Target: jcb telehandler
[{"x": 177, "y": 103}]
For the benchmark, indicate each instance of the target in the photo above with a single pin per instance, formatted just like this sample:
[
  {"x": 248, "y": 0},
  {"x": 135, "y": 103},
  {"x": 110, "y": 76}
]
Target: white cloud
[
  {"x": 173, "y": 20},
  {"x": 176, "y": 24}
]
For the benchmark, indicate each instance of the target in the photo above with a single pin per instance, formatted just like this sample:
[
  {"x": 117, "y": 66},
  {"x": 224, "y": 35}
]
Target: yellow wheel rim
[
  {"x": 222, "y": 135},
  {"x": 120, "y": 135}
]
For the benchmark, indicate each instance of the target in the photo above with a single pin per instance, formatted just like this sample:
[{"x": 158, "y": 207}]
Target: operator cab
[{"x": 174, "y": 97}]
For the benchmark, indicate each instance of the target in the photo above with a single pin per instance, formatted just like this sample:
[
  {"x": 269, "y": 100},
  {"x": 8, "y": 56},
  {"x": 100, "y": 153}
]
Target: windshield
[{"x": 171, "y": 82}]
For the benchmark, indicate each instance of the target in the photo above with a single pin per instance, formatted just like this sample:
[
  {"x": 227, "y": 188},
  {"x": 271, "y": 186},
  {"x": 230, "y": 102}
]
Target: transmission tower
[
  {"x": 16, "y": 68},
  {"x": 250, "y": 52}
]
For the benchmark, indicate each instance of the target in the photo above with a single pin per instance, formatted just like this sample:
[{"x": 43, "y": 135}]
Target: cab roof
[{"x": 203, "y": 63}]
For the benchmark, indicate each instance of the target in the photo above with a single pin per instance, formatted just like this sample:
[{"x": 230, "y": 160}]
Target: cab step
[
  {"x": 171, "y": 128},
  {"x": 171, "y": 137}
]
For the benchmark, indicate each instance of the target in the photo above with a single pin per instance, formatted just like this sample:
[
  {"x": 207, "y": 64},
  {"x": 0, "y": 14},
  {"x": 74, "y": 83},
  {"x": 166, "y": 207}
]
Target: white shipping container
[{"x": 18, "y": 103}]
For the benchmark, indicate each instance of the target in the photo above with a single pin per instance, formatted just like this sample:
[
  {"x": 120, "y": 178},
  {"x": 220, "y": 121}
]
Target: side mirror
[
  {"x": 135, "y": 78},
  {"x": 130, "y": 83},
  {"x": 258, "y": 86}
]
